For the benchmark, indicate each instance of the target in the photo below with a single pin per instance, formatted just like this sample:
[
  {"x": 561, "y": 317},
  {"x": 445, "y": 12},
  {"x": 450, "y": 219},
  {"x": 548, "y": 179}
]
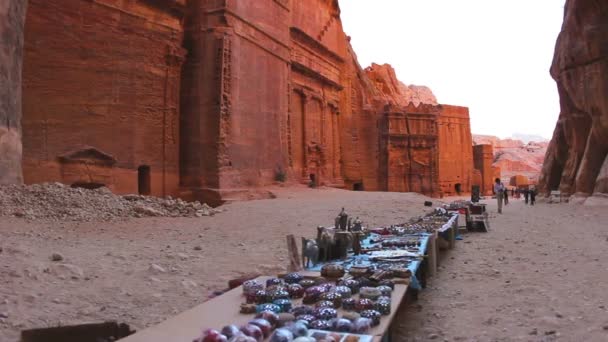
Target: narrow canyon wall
[
  {"x": 12, "y": 15},
  {"x": 576, "y": 162},
  {"x": 454, "y": 150}
]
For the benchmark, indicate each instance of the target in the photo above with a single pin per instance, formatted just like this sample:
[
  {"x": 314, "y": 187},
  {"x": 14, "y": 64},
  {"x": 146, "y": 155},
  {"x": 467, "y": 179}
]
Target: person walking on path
[
  {"x": 532, "y": 196},
  {"x": 506, "y": 195},
  {"x": 499, "y": 190},
  {"x": 526, "y": 193}
]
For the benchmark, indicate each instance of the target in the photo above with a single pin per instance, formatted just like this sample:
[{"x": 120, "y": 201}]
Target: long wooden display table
[{"x": 223, "y": 310}]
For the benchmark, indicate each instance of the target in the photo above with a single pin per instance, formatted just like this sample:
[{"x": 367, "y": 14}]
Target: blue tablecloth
[{"x": 413, "y": 265}]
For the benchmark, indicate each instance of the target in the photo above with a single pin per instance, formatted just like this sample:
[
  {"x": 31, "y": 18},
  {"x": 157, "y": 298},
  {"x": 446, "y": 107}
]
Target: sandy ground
[{"x": 540, "y": 274}]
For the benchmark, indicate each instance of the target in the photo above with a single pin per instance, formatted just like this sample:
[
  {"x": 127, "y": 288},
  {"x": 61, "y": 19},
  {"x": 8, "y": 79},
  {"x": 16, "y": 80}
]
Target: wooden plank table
[{"x": 224, "y": 310}]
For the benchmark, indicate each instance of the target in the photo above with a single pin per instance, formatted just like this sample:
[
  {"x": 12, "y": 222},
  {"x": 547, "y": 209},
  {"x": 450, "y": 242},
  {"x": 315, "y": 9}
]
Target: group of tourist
[{"x": 502, "y": 194}]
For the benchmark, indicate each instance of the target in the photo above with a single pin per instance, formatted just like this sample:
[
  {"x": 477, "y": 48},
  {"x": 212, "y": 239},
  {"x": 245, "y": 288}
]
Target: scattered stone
[
  {"x": 198, "y": 248},
  {"x": 3, "y": 314},
  {"x": 56, "y": 257},
  {"x": 157, "y": 269},
  {"x": 534, "y": 332},
  {"x": 183, "y": 256},
  {"x": 433, "y": 336},
  {"x": 550, "y": 332},
  {"x": 605, "y": 327}
]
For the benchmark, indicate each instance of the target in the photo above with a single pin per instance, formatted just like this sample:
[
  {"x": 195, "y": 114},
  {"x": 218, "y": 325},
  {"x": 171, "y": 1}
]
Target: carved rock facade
[
  {"x": 211, "y": 99},
  {"x": 577, "y": 158}
]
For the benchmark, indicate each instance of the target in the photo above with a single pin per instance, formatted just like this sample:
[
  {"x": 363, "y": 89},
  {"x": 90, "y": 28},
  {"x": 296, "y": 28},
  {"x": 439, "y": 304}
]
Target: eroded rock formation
[
  {"x": 12, "y": 15},
  {"x": 576, "y": 161}
]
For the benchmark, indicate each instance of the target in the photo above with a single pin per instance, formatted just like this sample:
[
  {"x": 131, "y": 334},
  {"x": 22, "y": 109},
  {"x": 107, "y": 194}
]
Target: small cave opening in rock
[
  {"x": 87, "y": 185},
  {"x": 143, "y": 180},
  {"x": 358, "y": 187},
  {"x": 458, "y": 188}
]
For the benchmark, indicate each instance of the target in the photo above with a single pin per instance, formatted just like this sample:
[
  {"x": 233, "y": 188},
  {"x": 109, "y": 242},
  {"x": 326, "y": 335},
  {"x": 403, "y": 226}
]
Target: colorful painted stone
[
  {"x": 307, "y": 318},
  {"x": 334, "y": 297},
  {"x": 279, "y": 293},
  {"x": 312, "y": 294},
  {"x": 284, "y": 304},
  {"x": 230, "y": 330},
  {"x": 383, "y": 299},
  {"x": 351, "y": 316},
  {"x": 372, "y": 293},
  {"x": 268, "y": 307},
  {"x": 286, "y": 318},
  {"x": 306, "y": 283},
  {"x": 248, "y": 308},
  {"x": 320, "y": 325},
  {"x": 264, "y": 325},
  {"x": 253, "y": 331},
  {"x": 352, "y": 284},
  {"x": 302, "y": 310},
  {"x": 383, "y": 307},
  {"x": 364, "y": 304},
  {"x": 274, "y": 281},
  {"x": 385, "y": 290},
  {"x": 270, "y": 316},
  {"x": 295, "y": 291},
  {"x": 299, "y": 329},
  {"x": 349, "y": 304},
  {"x": 250, "y": 286},
  {"x": 293, "y": 278},
  {"x": 258, "y": 297},
  {"x": 388, "y": 283},
  {"x": 332, "y": 271},
  {"x": 326, "y": 313},
  {"x": 342, "y": 325},
  {"x": 211, "y": 335},
  {"x": 373, "y": 315},
  {"x": 344, "y": 291},
  {"x": 361, "y": 325},
  {"x": 281, "y": 335},
  {"x": 325, "y": 304}
]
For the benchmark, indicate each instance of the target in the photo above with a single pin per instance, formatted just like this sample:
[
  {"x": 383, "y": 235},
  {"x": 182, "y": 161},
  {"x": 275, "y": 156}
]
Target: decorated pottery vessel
[
  {"x": 352, "y": 284},
  {"x": 325, "y": 304},
  {"x": 372, "y": 293},
  {"x": 270, "y": 316},
  {"x": 385, "y": 290},
  {"x": 332, "y": 271},
  {"x": 333, "y": 297},
  {"x": 268, "y": 307},
  {"x": 313, "y": 294},
  {"x": 364, "y": 304},
  {"x": 253, "y": 331},
  {"x": 274, "y": 281},
  {"x": 293, "y": 278},
  {"x": 344, "y": 291},
  {"x": 284, "y": 304},
  {"x": 281, "y": 335},
  {"x": 278, "y": 293},
  {"x": 349, "y": 304},
  {"x": 383, "y": 307},
  {"x": 320, "y": 325},
  {"x": 325, "y": 313},
  {"x": 306, "y": 318},
  {"x": 295, "y": 291},
  {"x": 361, "y": 325},
  {"x": 342, "y": 325},
  {"x": 302, "y": 310},
  {"x": 264, "y": 325},
  {"x": 306, "y": 283},
  {"x": 388, "y": 283},
  {"x": 250, "y": 286}
]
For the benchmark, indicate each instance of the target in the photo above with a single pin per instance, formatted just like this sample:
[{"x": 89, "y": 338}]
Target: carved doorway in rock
[
  {"x": 144, "y": 186},
  {"x": 458, "y": 188}
]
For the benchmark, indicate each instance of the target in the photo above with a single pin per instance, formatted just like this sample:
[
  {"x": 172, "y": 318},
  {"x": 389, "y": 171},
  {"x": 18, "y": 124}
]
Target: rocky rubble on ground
[{"x": 56, "y": 201}]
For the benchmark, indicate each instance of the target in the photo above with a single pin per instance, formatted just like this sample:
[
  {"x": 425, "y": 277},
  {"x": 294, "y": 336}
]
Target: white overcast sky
[{"x": 489, "y": 55}]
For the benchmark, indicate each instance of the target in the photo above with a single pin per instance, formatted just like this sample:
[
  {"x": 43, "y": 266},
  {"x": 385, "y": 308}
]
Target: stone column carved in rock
[{"x": 12, "y": 16}]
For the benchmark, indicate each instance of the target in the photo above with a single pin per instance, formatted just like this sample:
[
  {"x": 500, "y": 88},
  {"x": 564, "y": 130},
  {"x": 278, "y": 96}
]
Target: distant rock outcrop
[
  {"x": 576, "y": 161},
  {"x": 395, "y": 91}
]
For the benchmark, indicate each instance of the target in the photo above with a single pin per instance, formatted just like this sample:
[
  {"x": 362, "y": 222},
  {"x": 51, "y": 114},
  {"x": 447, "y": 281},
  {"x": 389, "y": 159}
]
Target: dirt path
[
  {"x": 540, "y": 268},
  {"x": 540, "y": 274}
]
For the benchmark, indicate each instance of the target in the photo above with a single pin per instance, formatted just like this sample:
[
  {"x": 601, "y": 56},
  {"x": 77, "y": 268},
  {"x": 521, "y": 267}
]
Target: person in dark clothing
[
  {"x": 532, "y": 196},
  {"x": 506, "y": 197},
  {"x": 526, "y": 193}
]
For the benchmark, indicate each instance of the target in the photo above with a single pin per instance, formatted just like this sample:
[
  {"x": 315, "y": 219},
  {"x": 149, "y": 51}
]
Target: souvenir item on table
[
  {"x": 305, "y": 339},
  {"x": 286, "y": 318},
  {"x": 364, "y": 304},
  {"x": 298, "y": 329},
  {"x": 295, "y": 291},
  {"x": 383, "y": 299},
  {"x": 230, "y": 330},
  {"x": 332, "y": 271},
  {"x": 278, "y": 293},
  {"x": 264, "y": 325},
  {"x": 256, "y": 297},
  {"x": 274, "y": 281},
  {"x": 211, "y": 335},
  {"x": 327, "y": 286},
  {"x": 334, "y": 297},
  {"x": 364, "y": 282},
  {"x": 401, "y": 272},
  {"x": 302, "y": 310},
  {"x": 370, "y": 292},
  {"x": 320, "y": 325},
  {"x": 373, "y": 315},
  {"x": 342, "y": 325},
  {"x": 351, "y": 316},
  {"x": 284, "y": 304},
  {"x": 385, "y": 290},
  {"x": 281, "y": 335},
  {"x": 348, "y": 304},
  {"x": 321, "y": 336},
  {"x": 312, "y": 294},
  {"x": 268, "y": 307},
  {"x": 270, "y": 316},
  {"x": 307, "y": 318},
  {"x": 248, "y": 308},
  {"x": 293, "y": 278},
  {"x": 383, "y": 307},
  {"x": 306, "y": 283},
  {"x": 325, "y": 304},
  {"x": 240, "y": 337},
  {"x": 253, "y": 331},
  {"x": 344, "y": 291},
  {"x": 325, "y": 313},
  {"x": 352, "y": 284},
  {"x": 388, "y": 283},
  {"x": 359, "y": 271},
  {"x": 362, "y": 325},
  {"x": 250, "y": 286},
  {"x": 351, "y": 338}
]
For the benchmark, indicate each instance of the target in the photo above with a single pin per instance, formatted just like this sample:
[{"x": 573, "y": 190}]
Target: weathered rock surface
[
  {"x": 12, "y": 15},
  {"x": 395, "y": 91},
  {"x": 576, "y": 158}
]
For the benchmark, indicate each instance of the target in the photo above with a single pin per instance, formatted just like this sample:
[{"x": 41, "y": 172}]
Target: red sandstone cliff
[
  {"x": 576, "y": 161},
  {"x": 12, "y": 15},
  {"x": 396, "y": 92}
]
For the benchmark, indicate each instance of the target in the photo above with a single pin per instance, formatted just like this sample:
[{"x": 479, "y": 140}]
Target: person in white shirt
[{"x": 499, "y": 190}]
